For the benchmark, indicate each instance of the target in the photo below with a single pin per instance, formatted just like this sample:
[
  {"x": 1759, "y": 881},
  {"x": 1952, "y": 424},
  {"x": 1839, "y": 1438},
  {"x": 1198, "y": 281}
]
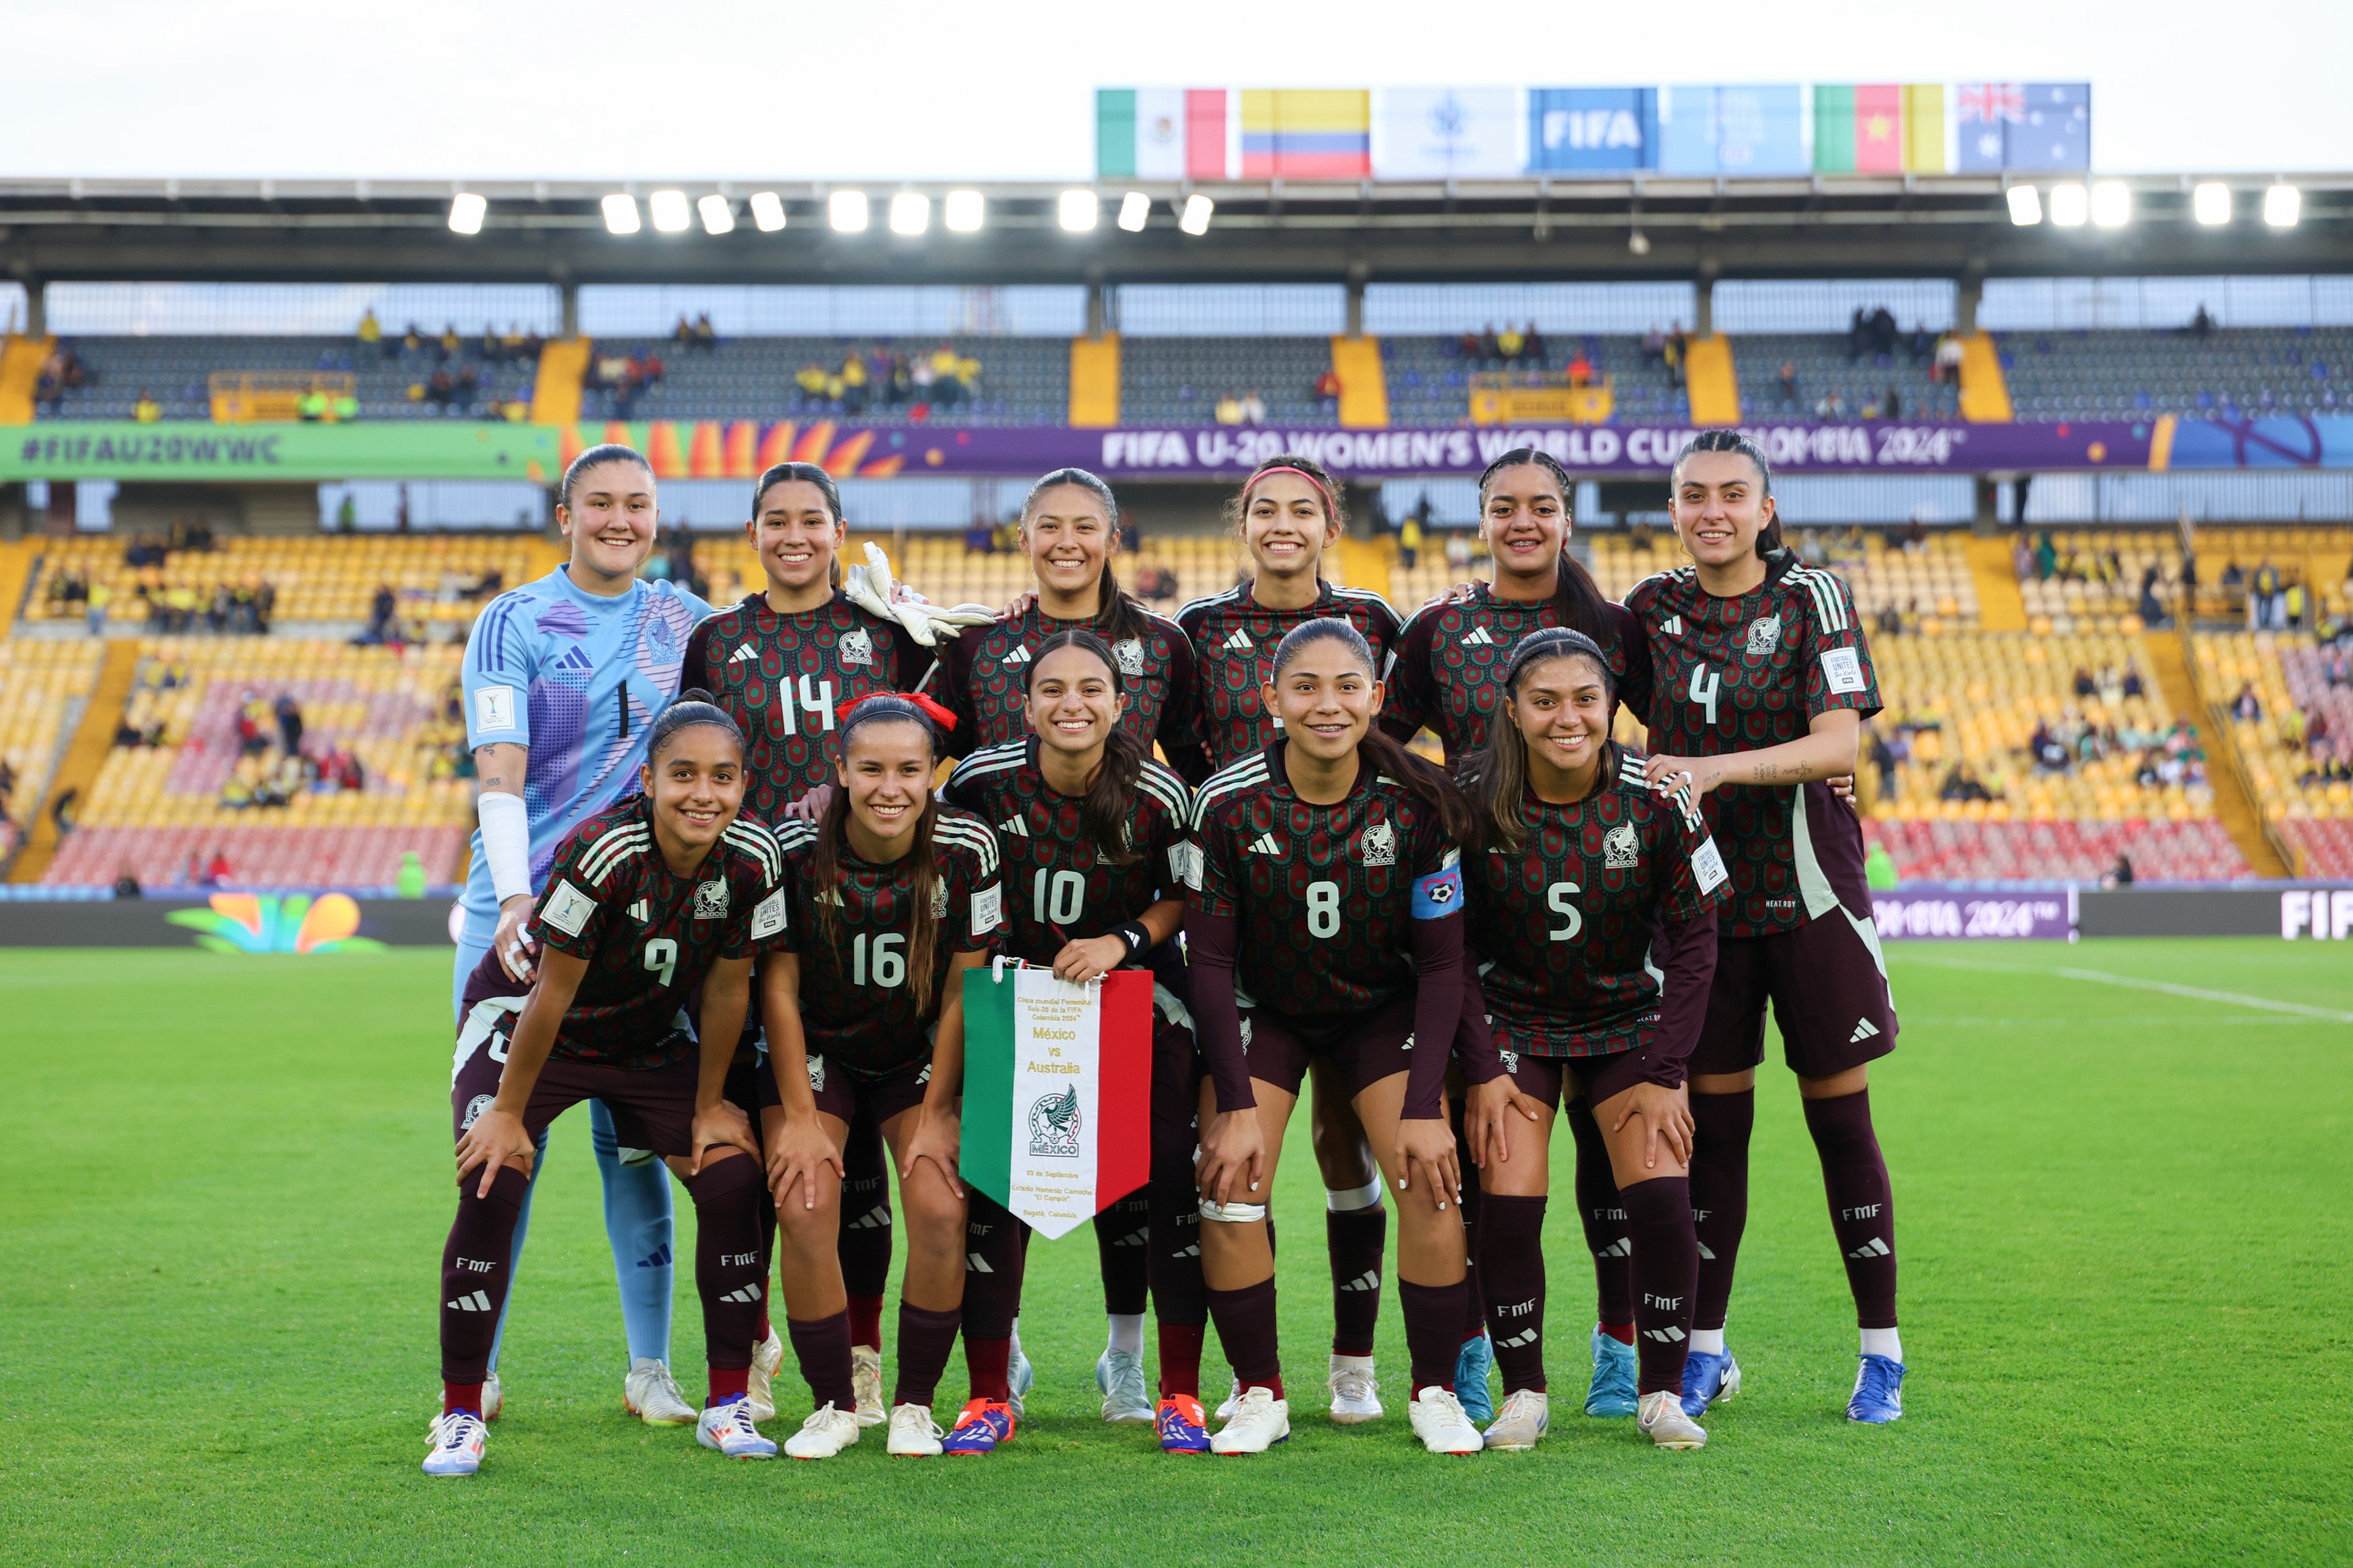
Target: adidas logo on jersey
[
  {"x": 1239, "y": 642},
  {"x": 641, "y": 911},
  {"x": 1672, "y": 625},
  {"x": 1017, "y": 654},
  {"x": 1264, "y": 844},
  {"x": 741, "y": 654},
  {"x": 1478, "y": 637},
  {"x": 1874, "y": 1248},
  {"x": 575, "y": 662},
  {"x": 479, "y": 1301},
  {"x": 1014, "y": 825},
  {"x": 1864, "y": 1029}
]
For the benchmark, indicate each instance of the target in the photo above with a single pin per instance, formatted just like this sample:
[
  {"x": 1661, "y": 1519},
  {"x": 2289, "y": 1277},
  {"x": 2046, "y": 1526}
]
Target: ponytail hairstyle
[
  {"x": 1577, "y": 601},
  {"x": 685, "y": 711},
  {"x": 1768, "y": 538},
  {"x": 1110, "y": 789},
  {"x": 808, "y": 473},
  {"x": 825, "y": 864},
  {"x": 610, "y": 452},
  {"x": 1380, "y": 750},
  {"x": 1118, "y": 616},
  {"x": 1497, "y": 778},
  {"x": 1336, "y": 510}
]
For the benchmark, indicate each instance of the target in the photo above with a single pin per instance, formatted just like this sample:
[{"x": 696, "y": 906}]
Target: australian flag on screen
[{"x": 2026, "y": 128}]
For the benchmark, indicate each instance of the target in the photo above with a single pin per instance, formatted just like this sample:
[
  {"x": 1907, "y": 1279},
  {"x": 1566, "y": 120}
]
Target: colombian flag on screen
[{"x": 1299, "y": 134}]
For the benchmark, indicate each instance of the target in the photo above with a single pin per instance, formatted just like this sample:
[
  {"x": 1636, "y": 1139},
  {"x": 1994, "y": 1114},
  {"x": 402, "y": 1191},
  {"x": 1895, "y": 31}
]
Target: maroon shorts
[
  {"x": 1828, "y": 994},
  {"x": 653, "y": 1108},
  {"x": 1366, "y": 1047},
  {"x": 1596, "y": 1078},
  {"x": 843, "y": 1093}
]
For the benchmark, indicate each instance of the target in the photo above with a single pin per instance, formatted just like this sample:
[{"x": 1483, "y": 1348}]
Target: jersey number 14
[{"x": 815, "y": 701}]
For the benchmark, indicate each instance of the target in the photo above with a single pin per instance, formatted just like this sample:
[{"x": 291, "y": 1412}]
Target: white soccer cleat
[
  {"x": 1439, "y": 1421},
  {"x": 1233, "y": 1398},
  {"x": 1119, "y": 1378},
  {"x": 1526, "y": 1418},
  {"x": 1259, "y": 1421},
  {"x": 1355, "y": 1392},
  {"x": 866, "y": 1385},
  {"x": 653, "y": 1396},
  {"x": 493, "y": 1397},
  {"x": 823, "y": 1435},
  {"x": 914, "y": 1434},
  {"x": 1661, "y": 1419},
  {"x": 760, "y": 1385},
  {"x": 727, "y": 1427},
  {"x": 457, "y": 1438}
]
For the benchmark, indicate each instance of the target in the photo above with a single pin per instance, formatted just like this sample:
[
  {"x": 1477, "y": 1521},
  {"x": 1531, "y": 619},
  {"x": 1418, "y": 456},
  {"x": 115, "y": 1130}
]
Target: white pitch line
[{"x": 2100, "y": 978}]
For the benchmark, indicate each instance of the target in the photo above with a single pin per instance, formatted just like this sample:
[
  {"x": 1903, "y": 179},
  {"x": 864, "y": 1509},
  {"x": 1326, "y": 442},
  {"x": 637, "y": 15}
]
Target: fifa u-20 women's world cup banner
[{"x": 1057, "y": 1091}]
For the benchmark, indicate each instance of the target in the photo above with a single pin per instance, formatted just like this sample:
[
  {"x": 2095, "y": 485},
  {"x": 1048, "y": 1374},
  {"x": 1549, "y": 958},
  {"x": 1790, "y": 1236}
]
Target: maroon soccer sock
[
  {"x": 461, "y": 1397},
  {"x": 1433, "y": 1330},
  {"x": 1180, "y": 1359},
  {"x": 925, "y": 1341},
  {"x": 1123, "y": 1253},
  {"x": 730, "y": 1269},
  {"x": 1511, "y": 1241},
  {"x": 1605, "y": 1224},
  {"x": 822, "y": 1348},
  {"x": 1178, "y": 1294},
  {"x": 1356, "y": 1238},
  {"x": 1247, "y": 1329},
  {"x": 1474, "y": 1285},
  {"x": 1862, "y": 1208},
  {"x": 1666, "y": 1278},
  {"x": 476, "y": 1264},
  {"x": 865, "y": 1240},
  {"x": 994, "y": 1261},
  {"x": 989, "y": 1363},
  {"x": 728, "y": 1382},
  {"x": 1719, "y": 1193},
  {"x": 865, "y": 1315}
]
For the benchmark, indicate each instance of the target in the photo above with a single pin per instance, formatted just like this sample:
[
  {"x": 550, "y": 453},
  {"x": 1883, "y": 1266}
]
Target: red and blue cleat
[
  {"x": 981, "y": 1426},
  {"x": 1184, "y": 1429}
]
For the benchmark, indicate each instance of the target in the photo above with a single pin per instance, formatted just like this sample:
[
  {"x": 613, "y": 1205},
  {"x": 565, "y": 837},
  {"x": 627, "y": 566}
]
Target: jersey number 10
[{"x": 1057, "y": 897}]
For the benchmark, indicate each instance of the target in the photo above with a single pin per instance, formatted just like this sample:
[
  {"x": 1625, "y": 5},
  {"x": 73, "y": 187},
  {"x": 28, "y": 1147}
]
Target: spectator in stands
[
  {"x": 2292, "y": 605},
  {"x": 1491, "y": 347},
  {"x": 1947, "y": 364},
  {"x": 1327, "y": 390},
  {"x": 2201, "y": 325},
  {"x": 1891, "y": 403},
  {"x": 1962, "y": 783},
  {"x": 102, "y": 595},
  {"x": 2122, "y": 876},
  {"x": 1228, "y": 410},
  {"x": 126, "y": 882},
  {"x": 146, "y": 411},
  {"x": 1253, "y": 407},
  {"x": 1678, "y": 353},
  {"x": 252, "y": 713},
  {"x": 1410, "y": 538},
  {"x": 2085, "y": 686},
  {"x": 371, "y": 335},
  {"x": 1885, "y": 762},
  {"x": 216, "y": 871},
  {"x": 2246, "y": 707},
  {"x": 2046, "y": 557},
  {"x": 2152, "y": 612},
  {"x": 1654, "y": 347},
  {"x": 1858, "y": 336},
  {"x": 1580, "y": 370},
  {"x": 288, "y": 714},
  {"x": 1788, "y": 384},
  {"x": 1831, "y": 407},
  {"x": 1511, "y": 344},
  {"x": 7, "y": 787},
  {"x": 2264, "y": 598}
]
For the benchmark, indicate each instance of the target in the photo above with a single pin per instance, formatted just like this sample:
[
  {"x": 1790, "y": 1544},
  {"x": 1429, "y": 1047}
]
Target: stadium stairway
[
  {"x": 2168, "y": 661},
  {"x": 20, "y": 368},
  {"x": 1094, "y": 382},
  {"x": 555, "y": 395},
  {"x": 1363, "y": 384},
  {"x": 1985, "y": 390},
  {"x": 1366, "y": 564},
  {"x": 2000, "y": 606},
  {"x": 1714, "y": 384},
  {"x": 84, "y": 754},
  {"x": 17, "y": 559}
]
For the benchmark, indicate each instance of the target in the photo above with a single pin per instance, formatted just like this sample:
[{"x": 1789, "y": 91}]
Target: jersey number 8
[
  {"x": 1323, "y": 909},
  {"x": 890, "y": 960}
]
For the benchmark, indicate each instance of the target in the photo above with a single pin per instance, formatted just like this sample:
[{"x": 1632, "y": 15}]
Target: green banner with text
[{"x": 408, "y": 449}]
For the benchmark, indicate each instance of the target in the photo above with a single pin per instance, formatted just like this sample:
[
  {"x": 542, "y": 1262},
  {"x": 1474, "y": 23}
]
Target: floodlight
[
  {"x": 910, "y": 213},
  {"x": 1195, "y": 218},
  {"x": 466, "y": 210},
  {"x": 847, "y": 211},
  {"x": 2210, "y": 203},
  {"x": 620, "y": 213},
  {"x": 2025, "y": 206},
  {"x": 768, "y": 211},
  {"x": 718, "y": 213},
  {"x": 964, "y": 211},
  {"x": 1133, "y": 208},
  {"x": 2070, "y": 205},
  {"x": 2111, "y": 204},
  {"x": 1079, "y": 210},
  {"x": 669, "y": 211},
  {"x": 2282, "y": 205}
]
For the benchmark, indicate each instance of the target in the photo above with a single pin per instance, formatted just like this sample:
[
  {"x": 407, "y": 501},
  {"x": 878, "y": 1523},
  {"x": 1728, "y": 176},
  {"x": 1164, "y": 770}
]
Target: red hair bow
[{"x": 930, "y": 709}]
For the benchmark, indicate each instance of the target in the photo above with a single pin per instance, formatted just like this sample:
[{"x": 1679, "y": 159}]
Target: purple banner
[
  {"x": 1930, "y": 909},
  {"x": 1190, "y": 452}
]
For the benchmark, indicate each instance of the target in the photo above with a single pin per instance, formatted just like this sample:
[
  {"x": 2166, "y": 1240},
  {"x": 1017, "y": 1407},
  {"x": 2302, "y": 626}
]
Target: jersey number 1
[
  {"x": 816, "y": 701},
  {"x": 1704, "y": 684}
]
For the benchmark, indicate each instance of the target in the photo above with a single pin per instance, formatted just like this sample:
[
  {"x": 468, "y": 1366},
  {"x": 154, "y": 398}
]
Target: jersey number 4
[
  {"x": 1704, "y": 684},
  {"x": 815, "y": 701}
]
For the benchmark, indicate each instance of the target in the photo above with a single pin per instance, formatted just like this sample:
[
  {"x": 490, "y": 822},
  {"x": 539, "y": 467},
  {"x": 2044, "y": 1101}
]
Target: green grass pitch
[{"x": 2123, "y": 1215}]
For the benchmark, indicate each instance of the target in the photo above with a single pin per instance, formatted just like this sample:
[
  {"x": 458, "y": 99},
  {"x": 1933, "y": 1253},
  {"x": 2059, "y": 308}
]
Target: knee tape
[{"x": 1233, "y": 1213}]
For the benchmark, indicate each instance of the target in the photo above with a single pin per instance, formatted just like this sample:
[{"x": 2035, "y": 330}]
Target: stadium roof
[{"x": 1917, "y": 225}]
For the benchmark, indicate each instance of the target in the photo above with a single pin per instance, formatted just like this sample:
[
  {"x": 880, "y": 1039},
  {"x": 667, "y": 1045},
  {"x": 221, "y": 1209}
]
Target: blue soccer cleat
[
  {"x": 1611, "y": 1391},
  {"x": 1878, "y": 1392},
  {"x": 1472, "y": 1368},
  {"x": 1709, "y": 1376},
  {"x": 981, "y": 1427},
  {"x": 1184, "y": 1429}
]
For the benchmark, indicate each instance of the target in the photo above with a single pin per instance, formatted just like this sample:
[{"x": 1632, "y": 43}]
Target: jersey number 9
[
  {"x": 890, "y": 960},
  {"x": 1323, "y": 909},
  {"x": 1560, "y": 898},
  {"x": 661, "y": 957}
]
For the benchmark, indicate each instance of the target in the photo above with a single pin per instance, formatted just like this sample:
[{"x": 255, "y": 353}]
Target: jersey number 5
[
  {"x": 1323, "y": 909},
  {"x": 1559, "y": 897},
  {"x": 1704, "y": 684}
]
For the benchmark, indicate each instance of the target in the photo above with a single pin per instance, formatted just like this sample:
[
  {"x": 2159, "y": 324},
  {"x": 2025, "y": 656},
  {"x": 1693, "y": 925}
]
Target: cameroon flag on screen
[{"x": 1880, "y": 129}]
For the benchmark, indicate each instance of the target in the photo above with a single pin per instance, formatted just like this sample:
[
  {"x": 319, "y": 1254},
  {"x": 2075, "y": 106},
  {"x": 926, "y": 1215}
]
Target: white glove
[{"x": 871, "y": 589}]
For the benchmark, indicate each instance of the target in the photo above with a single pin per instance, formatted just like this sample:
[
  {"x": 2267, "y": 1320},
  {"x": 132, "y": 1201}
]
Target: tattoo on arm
[{"x": 500, "y": 766}]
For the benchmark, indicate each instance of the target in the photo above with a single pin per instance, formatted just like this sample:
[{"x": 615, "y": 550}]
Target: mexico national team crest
[
  {"x": 1054, "y": 1125},
  {"x": 474, "y": 1109},
  {"x": 1380, "y": 845},
  {"x": 939, "y": 901},
  {"x": 857, "y": 647},
  {"x": 711, "y": 901},
  {"x": 1764, "y": 636},
  {"x": 1129, "y": 651},
  {"x": 1622, "y": 847}
]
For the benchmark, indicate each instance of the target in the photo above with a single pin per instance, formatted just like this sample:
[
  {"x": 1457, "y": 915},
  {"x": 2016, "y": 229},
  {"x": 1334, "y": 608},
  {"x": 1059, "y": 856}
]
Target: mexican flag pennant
[{"x": 1057, "y": 1092}]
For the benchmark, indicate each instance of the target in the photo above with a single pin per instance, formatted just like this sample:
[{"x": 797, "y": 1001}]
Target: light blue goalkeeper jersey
[{"x": 578, "y": 679}]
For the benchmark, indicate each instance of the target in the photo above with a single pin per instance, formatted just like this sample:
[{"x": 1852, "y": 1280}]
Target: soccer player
[
  {"x": 1583, "y": 861},
  {"x": 1445, "y": 679},
  {"x": 1097, "y": 839},
  {"x": 668, "y": 892},
  {"x": 1763, "y": 682},
  {"x": 891, "y": 897},
  {"x": 785, "y": 663},
  {"x": 561, "y": 680},
  {"x": 1287, "y": 515},
  {"x": 1331, "y": 896},
  {"x": 1069, "y": 530}
]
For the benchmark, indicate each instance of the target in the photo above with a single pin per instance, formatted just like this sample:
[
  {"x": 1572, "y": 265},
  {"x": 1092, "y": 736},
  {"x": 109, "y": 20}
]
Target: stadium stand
[
  {"x": 1927, "y": 583},
  {"x": 1829, "y": 381},
  {"x": 43, "y": 687},
  {"x": 1179, "y": 381},
  {"x": 200, "y": 761},
  {"x": 439, "y": 581},
  {"x": 2095, "y": 574},
  {"x": 2288, "y": 705},
  {"x": 2119, "y": 375},
  {"x": 1013, "y": 380},
  {"x": 1429, "y": 378},
  {"x": 392, "y": 382}
]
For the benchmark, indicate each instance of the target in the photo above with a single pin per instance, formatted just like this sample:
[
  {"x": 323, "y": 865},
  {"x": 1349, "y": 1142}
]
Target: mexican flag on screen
[{"x": 1057, "y": 1091}]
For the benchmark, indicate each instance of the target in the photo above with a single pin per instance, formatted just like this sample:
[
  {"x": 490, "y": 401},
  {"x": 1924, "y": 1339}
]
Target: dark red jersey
[
  {"x": 983, "y": 677},
  {"x": 1563, "y": 925},
  {"x": 1325, "y": 895},
  {"x": 1739, "y": 674},
  {"x": 1058, "y": 887},
  {"x": 784, "y": 679},
  {"x": 649, "y": 936},
  {"x": 858, "y": 1006},
  {"x": 1447, "y": 676},
  {"x": 1234, "y": 637}
]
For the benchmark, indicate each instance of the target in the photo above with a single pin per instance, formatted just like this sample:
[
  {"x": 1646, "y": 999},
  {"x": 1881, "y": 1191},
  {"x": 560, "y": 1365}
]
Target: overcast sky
[{"x": 933, "y": 90}]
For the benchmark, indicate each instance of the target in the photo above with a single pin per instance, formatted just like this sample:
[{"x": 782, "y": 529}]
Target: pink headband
[{"x": 1331, "y": 508}]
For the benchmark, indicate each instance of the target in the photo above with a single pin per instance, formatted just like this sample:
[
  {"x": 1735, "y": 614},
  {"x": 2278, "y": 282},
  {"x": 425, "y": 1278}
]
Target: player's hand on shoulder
[
  {"x": 1021, "y": 603},
  {"x": 496, "y": 1138},
  {"x": 515, "y": 953},
  {"x": 1698, "y": 774},
  {"x": 810, "y": 806}
]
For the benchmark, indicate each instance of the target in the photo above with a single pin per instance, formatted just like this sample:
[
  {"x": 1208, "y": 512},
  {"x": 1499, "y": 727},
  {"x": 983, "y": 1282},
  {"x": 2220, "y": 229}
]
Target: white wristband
[{"x": 506, "y": 842}]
